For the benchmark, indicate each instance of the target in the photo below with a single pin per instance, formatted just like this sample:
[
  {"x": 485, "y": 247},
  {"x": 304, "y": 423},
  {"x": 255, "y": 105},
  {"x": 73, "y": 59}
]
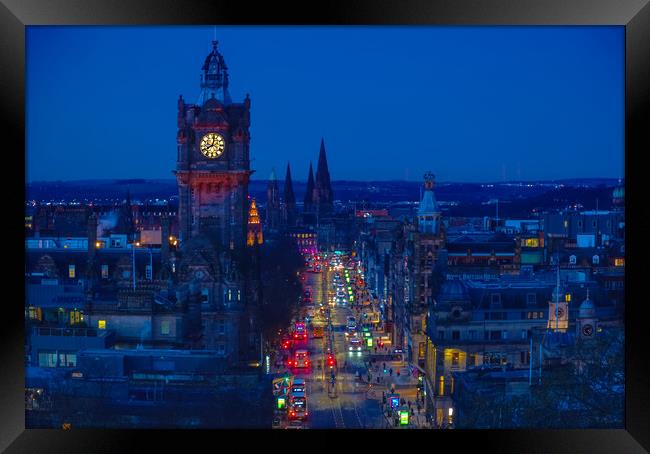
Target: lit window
[
  {"x": 76, "y": 317},
  {"x": 229, "y": 295},
  {"x": 101, "y": 324},
  {"x": 567, "y": 297},
  {"x": 238, "y": 295},
  {"x": 619, "y": 262},
  {"x": 455, "y": 358},
  {"x": 71, "y": 271},
  {"x": 164, "y": 327},
  {"x": 441, "y": 386},
  {"x": 104, "y": 271},
  {"x": 532, "y": 242},
  {"x": 47, "y": 358},
  {"x": 35, "y": 313}
]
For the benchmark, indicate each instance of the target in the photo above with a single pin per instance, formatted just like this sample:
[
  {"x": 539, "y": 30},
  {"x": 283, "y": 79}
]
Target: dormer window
[
  {"x": 595, "y": 260},
  {"x": 572, "y": 259}
]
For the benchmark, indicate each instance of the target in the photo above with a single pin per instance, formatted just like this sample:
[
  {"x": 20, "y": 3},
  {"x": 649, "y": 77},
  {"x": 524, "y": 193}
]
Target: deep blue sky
[{"x": 468, "y": 103}]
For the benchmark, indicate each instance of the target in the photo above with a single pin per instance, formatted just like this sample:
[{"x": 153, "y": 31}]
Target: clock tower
[
  {"x": 213, "y": 167},
  {"x": 212, "y": 172}
]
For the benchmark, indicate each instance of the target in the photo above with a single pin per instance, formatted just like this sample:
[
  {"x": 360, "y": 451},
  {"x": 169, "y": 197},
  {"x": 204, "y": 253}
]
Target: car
[
  {"x": 352, "y": 323},
  {"x": 355, "y": 344}
]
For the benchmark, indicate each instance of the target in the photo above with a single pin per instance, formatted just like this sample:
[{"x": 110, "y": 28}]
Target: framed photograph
[{"x": 403, "y": 217}]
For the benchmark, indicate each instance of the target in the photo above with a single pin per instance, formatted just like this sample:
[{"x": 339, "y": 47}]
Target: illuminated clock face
[
  {"x": 560, "y": 312},
  {"x": 587, "y": 330},
  {"x": 212, "y": 145}
]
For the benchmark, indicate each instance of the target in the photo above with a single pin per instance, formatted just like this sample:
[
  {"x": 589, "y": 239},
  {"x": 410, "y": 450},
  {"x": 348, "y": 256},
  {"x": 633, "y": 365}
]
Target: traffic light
[{"x": 330, "y": 360}]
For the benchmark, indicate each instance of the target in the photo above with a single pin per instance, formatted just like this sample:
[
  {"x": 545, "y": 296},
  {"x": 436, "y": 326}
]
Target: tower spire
[
  {"x": 309, "y": 193},
  {"x": 323, "y": 189},
  {"x": 289, "y": 199}
]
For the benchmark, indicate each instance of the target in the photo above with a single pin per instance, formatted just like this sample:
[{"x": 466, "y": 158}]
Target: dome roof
[
  {"x": 587, "y": 308},
  {"x": 452, "y": 290}
]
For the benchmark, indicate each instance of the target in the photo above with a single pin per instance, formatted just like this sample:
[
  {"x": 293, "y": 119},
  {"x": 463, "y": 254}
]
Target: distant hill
[{"x": 514, "y": 198}]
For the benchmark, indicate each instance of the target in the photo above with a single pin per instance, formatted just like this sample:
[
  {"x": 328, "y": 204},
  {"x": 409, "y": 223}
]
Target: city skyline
[{"x": 534, "y": 68}]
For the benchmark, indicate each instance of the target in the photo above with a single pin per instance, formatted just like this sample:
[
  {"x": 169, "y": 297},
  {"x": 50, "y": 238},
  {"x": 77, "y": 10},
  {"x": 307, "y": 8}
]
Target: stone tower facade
[
  {"x": 213, "y": 166},
  {"x": 212, "y": 172}
]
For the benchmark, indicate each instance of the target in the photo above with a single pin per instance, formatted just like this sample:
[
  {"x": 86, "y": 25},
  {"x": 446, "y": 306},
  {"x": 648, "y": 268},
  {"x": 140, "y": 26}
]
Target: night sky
[{"x": 468, "y": 103}]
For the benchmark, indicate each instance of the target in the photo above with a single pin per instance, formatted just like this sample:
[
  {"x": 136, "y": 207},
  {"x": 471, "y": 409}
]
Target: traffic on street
[{"x": 335, "y": 366}]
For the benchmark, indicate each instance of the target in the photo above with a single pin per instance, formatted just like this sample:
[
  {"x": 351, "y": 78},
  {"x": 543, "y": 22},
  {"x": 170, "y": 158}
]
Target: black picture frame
[{"x": 15, "y": 15}]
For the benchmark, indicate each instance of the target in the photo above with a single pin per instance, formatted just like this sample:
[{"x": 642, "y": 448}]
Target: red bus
[{"x": 300, "y": 360}]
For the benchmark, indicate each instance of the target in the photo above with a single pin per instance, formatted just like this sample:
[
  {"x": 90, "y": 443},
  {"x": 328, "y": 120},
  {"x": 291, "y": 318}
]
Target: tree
[{"x": 281, "y": 287}]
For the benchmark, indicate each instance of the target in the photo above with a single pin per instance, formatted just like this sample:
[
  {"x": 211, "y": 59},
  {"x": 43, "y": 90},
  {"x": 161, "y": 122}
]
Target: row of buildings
[{"x": 463, "y": 295}]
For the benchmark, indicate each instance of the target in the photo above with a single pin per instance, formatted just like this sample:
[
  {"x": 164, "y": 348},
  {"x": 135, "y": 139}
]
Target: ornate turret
[
  {"x": 586, "y": 322},
  {"x": 214, "y": 78},
  {"x": 254, "y": 235},
  {"x": 428, "y": 212}
]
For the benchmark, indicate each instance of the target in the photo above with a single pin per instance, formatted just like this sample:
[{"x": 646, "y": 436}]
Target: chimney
[{"x": 92, "y": 237}]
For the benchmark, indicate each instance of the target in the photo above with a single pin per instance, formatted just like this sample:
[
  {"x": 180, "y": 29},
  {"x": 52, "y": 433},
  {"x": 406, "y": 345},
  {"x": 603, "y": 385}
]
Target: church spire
[
  {"x": 272, "y": 203},
  {"x": 323, "y": 189},
  {"x": 289, "y": 200},
  {"x": 309, "y": 193}
]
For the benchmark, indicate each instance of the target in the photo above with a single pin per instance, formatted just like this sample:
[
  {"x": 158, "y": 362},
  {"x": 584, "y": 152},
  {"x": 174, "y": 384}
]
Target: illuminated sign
[
  {"x": 282, "y": 403},
  {"x": 404, "y": 417}
]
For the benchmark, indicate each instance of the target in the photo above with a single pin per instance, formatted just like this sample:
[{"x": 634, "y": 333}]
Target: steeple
[
  {"x": 214, "y": 78},
  {"x": 323, "y": 189},
  {"x": 289, "y": 200},
  {"x": 428, "y": 211},
  {"x": 309, "y": 192},
  {"x": 272, "y": 203}
]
